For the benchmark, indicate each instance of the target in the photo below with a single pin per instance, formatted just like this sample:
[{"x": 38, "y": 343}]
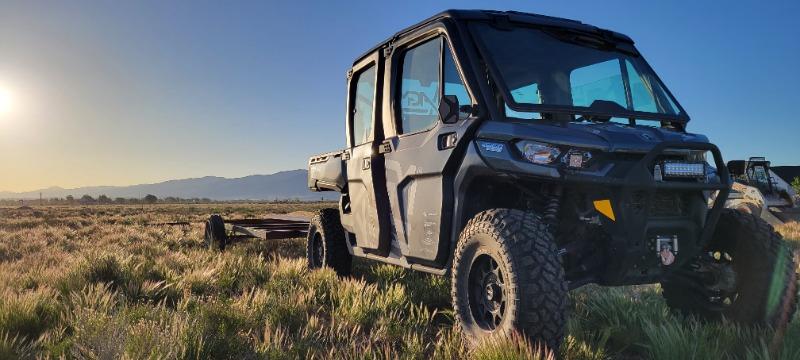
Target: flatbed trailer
[{"x": 220, "y": 232}]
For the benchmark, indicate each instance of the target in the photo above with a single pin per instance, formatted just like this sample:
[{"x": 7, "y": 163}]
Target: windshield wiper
[{"x": 601, "y": 111}]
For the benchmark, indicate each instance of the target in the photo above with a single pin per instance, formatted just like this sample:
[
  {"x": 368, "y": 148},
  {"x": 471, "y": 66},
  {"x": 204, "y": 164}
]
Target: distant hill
[
  {"x": 280, "y": 185},
  {"x": 787, "y": 173}
]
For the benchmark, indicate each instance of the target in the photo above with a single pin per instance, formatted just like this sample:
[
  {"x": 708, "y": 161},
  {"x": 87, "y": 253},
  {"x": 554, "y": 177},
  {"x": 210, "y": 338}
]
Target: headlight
[{"x": 538, "y": 153}]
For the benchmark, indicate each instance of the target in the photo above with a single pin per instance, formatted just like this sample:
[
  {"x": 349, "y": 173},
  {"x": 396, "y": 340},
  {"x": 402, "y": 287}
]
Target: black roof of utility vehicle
[{"x": 510, "y": 16}]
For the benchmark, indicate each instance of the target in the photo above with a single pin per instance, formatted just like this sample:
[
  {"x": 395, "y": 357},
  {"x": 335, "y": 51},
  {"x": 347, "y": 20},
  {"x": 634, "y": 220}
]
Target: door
[
  {"x": 365, "y": 214},
  {"x": 418, "y": 152}
]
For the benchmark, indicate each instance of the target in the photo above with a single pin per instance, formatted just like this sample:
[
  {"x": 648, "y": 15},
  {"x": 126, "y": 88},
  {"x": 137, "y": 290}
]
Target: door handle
[
  {"x": 366, "y": 163},
  {"x": 447, "y": 141}
]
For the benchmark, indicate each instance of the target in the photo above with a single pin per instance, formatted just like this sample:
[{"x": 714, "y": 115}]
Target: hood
[{"x": 607, "y": 137}]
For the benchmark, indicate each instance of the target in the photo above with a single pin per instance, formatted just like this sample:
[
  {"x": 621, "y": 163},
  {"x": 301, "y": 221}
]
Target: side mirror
[{"x": 448, "y": 109}]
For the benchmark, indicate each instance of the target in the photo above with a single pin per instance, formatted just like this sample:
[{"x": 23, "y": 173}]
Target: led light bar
[{"x": 684, "y": 169}]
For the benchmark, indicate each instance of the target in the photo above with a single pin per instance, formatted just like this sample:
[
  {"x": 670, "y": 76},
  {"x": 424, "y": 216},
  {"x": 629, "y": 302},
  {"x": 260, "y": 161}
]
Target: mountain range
[{"x": 281, "y": 185}]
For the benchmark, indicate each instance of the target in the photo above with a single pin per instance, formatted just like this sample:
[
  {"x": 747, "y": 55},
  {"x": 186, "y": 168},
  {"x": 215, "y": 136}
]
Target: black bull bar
[{"x": 629, "y": 235}]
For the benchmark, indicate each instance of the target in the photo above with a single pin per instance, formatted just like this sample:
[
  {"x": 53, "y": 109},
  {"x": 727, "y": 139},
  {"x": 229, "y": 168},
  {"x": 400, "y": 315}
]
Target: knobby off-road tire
[
  {"x": 765, "y": 291},
  {"x": 215, "y": 234},
  {"x": 523, "y": 266},
  {"x": 326, "y": 245}
]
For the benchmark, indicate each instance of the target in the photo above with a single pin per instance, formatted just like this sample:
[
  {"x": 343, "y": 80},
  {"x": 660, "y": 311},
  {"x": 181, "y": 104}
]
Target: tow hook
[{"x": 667, "y": 248}]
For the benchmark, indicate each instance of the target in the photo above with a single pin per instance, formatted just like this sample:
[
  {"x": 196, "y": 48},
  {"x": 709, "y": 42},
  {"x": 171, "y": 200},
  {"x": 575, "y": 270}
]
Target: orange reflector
[{"x": 604, "y": 207}]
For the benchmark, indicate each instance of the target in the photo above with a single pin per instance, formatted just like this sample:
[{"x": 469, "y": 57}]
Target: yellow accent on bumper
[{"x": 604, "y": 207}]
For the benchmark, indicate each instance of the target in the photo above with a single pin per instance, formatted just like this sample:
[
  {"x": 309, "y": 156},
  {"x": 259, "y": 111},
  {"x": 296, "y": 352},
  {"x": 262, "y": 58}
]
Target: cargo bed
[{"x": 326, "y": 172}]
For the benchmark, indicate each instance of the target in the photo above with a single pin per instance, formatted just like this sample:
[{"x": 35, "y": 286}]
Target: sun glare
[{"x": 5, "y": 102}]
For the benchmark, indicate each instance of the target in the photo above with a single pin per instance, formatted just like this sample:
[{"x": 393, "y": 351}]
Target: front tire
[
  {"x": 507, "y": 276},
  {"x": 745, "y": 274},
  {"x": 326, "y": 244}
]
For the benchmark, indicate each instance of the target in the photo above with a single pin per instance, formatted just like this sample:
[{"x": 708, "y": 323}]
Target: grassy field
[{"x": 98, "y": 282}]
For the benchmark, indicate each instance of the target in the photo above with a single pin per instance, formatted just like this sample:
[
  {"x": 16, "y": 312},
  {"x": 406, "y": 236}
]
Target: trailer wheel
[
  {"x": 507, "y": 276},
  {"x": 746, "y": 274},
  {"x": 215, "y": 234},
  {"x": 326, "y": 245}
]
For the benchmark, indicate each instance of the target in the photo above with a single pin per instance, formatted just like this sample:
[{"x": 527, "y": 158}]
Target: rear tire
[
  {"x": 764, "y": 291},
  {"x": 215, "y": 234},
  {"x": 507, "y": 276},
  {"x": 326, "y": 245}
]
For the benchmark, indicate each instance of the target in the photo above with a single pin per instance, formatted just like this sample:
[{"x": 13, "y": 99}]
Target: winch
[{"x": 667, "y": 248}]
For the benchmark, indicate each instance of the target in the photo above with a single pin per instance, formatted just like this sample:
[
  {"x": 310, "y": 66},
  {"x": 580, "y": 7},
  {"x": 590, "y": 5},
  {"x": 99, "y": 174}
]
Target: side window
[
  {"x": 453, "y": 84},
  {"x": 363, "y": 106},
  {"x": 644, "y": 94},
  {"x": 641, "y": 96},
  {"x": 419, "y": 88}
]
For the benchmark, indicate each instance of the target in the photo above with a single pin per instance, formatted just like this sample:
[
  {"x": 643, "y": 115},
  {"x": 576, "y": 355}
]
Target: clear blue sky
[{"x": 114, "y": 93}]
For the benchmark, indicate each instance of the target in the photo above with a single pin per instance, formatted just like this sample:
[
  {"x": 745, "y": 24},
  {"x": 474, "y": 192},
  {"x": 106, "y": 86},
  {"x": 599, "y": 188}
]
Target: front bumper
[
  {"x": 645, "y": 209},
  {"x": 648, "y": 210}
]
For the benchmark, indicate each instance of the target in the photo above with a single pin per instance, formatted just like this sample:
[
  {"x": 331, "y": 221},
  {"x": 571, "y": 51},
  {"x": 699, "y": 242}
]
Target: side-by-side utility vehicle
[
  {"x": 524, "y": 156},
  {"x": 760, "y": 191}
]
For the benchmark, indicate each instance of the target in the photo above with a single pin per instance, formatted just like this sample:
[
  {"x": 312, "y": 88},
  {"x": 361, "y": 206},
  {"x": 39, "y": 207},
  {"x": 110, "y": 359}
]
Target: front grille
[
  {"x": 661, "y": 203},
  {"x": 638, "y": 202}
]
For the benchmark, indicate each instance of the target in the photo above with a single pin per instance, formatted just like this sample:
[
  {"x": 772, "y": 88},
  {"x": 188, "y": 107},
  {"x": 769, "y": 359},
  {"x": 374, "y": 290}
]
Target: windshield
[
  {"x": 543, "y": 70},
  {"x": 760, "y": 175}
]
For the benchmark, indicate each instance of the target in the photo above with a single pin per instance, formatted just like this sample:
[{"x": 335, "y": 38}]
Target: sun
[{"x": 5, "y": 102}]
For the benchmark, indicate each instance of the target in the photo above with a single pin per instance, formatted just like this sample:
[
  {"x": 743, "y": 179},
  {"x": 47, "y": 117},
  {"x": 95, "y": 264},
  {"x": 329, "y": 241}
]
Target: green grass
[{"x": 96, "y": 282}]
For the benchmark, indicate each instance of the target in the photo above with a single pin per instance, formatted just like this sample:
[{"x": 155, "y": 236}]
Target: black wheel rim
[
  {"x": 714, "y": 278},
  {"x": 719, "y": 278},
  {"x": 318, "y": 250},
  {"x": 487, "y": 292}
]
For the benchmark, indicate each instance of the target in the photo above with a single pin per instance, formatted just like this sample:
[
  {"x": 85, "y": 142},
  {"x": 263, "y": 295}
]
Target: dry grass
[
  {"x": 791, "y": 232},
  {"x": 97, "y": 282}
]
